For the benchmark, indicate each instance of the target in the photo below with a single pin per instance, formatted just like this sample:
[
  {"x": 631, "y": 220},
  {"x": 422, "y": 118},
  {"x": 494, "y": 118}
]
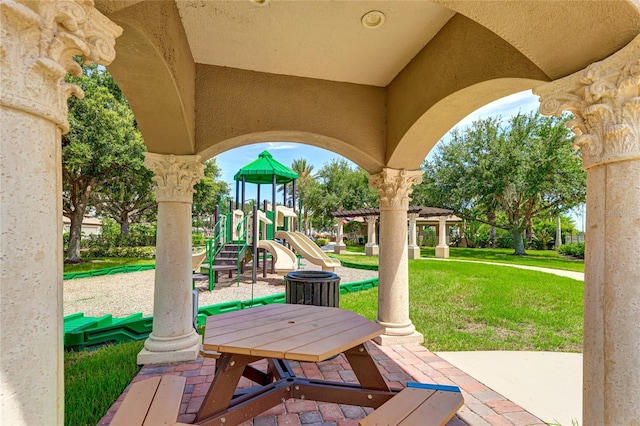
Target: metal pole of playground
[{"x": 254, "y": 247}]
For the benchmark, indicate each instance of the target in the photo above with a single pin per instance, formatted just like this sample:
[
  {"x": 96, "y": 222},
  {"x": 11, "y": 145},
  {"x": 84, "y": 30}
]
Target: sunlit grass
[
  {"x": 466, "y": 306},
  {"x": 105, "y": 262},
  {"x": 540, "y": 258}
]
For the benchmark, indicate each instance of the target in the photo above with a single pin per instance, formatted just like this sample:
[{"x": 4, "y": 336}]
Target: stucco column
[
  {"x": 173, "y": 337},
  {"x": 371, "y": 248},
  {"x": 442, "y": 249},
  {"x": 340, "y": 246},
  {"x": 604, "y": 98},
  {"x": 394, "y": 187},
  {"x": 413, "y": 250},
  {"x": 37, "y": 46}
]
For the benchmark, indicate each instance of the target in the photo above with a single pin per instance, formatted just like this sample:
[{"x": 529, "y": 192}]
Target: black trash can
[{"x": 317, "y": 288}]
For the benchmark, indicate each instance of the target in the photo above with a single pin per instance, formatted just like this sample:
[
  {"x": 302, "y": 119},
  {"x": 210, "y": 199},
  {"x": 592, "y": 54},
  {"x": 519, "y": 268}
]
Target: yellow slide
[
  {"x": 284, "y": 259},
  {"x": 308, "y": 249}
]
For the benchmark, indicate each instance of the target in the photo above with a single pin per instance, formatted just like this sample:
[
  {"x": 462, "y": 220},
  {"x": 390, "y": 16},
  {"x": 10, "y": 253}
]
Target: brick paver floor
[{"x": 398, "y": 364}]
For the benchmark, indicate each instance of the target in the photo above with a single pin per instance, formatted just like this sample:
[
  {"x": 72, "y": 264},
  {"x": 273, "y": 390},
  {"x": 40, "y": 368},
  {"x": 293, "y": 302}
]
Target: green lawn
[
  {"x": 541, "y": 258},
  {"x": 457, "y": 306},
  {"x": 93, "y": 380},
  {"x": 105, "y": 262},
  {"x": 465, "y": 306}
]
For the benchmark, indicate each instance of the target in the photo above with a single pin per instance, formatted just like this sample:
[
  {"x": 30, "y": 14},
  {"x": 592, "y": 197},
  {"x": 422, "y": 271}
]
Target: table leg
[
  {"x": 229, "y": 369},
  {"x": 365, "y": 368}
]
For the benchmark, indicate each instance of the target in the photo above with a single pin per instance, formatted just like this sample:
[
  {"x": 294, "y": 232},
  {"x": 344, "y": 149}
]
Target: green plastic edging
[
  {"x": 347, "y": 264},
  {"x": 81, "y": 331},
  {"x": 108, "y": 271}
]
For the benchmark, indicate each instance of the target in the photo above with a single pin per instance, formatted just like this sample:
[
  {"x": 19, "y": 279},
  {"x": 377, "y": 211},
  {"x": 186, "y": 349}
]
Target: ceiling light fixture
[
  {"x": 259, "y": 2},
  {"x": 373, "y": 19}
]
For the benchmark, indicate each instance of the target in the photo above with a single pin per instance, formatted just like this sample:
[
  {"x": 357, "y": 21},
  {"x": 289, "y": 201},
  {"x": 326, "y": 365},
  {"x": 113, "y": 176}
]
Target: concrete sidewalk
[{"x": 546, "y": 384}]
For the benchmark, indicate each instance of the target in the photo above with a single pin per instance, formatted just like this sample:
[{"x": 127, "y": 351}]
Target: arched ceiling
[{"x": 206, "y": 76}]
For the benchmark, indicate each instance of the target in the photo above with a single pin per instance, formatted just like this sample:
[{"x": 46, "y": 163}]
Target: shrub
[
  {"x": 137, "y": 252},
  {"x": 322, "y": 241},
  {"x": 575, "y": 250},
  {"x": 198, "y": 240}
]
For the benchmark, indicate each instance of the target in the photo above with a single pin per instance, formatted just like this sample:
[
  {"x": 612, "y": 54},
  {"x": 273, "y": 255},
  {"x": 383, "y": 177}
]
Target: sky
[{"x": 285, "y": 152}]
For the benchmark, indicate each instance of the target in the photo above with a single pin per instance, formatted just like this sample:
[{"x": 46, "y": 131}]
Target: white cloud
[
  {"x": 509, "y": 105},
  {"x": 274, "y": 146}
]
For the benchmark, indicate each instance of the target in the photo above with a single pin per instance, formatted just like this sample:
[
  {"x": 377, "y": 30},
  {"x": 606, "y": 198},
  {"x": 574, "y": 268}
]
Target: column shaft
[
  {"x": 173, "y": 338},
  {"x": 340, "y": 247},
  {"x": 394, "y": 188},
  {"x": 442, "y": 249},
  {"x": 604, "y": 101},
  {"x": 31, "y": 252},
  {"x": 371, "y": 248},
  {"x": 414, "y": 250},
  {"x": 37, "y": 45}
]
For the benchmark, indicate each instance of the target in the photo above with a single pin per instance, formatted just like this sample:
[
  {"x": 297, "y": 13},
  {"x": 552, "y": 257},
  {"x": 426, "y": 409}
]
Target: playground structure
[{"x": 239, "y": 238}]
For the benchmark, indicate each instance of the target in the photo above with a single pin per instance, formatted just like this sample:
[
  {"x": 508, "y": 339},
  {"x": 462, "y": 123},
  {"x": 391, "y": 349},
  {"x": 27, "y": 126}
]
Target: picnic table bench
[
  {"x": 418, "y": 404},
  {"x": 152, "y": 402}
]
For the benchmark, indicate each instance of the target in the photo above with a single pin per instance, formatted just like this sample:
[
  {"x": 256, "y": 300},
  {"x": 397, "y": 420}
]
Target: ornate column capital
[
  {"x": 371, "y": 219},
  {"x": 394, "y": 187},
  {"x": 605, "y": 100},
  {"x": 38, "y": 42},
  {"x": 175, "y": 175}
]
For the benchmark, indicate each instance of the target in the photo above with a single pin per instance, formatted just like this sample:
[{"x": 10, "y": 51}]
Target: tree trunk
[
  {"x": 75, "y": 235},
  {"x": 124, "y": 227},
  {"x": 518, "y": 242},
  {"x": 492, "y": 230},
  {"x": 558, "y": 233}
]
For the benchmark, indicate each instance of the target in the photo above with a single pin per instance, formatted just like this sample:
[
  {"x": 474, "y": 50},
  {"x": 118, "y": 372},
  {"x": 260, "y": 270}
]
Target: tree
[
  {"x": 338, "y": 186},
  {"x": 304, "y": 181},
  {"x": 209, "y": 192},
  {"x": 129, "y": 195},
  {"x": 97, "y": 148},
  {"x": 525, "y": 169}
]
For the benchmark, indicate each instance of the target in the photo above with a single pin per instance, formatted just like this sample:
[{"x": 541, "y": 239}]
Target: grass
[
  {"x": 464, "y": 306},
  {"x": 541, "y": 258},
  {"x": 93, "y": 380},
  {"x": 456, "y": 306},
  {"x": 105, "y": 262}
]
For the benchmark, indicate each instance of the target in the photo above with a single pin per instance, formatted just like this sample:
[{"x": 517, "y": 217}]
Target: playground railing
[
  {"x": 215, "y": 245},
  {"x": 242, "y": 229}
]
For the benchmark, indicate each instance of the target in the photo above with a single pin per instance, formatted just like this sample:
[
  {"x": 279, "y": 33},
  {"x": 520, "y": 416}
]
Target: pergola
[
  {"x": 378, "y": 82},
  {"x": 371, "y": 216}
]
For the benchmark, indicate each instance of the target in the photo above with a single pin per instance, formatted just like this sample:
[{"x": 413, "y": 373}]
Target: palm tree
[{"x": 303, "y": 169}]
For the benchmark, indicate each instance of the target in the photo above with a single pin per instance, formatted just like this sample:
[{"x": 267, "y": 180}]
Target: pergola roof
[
  {"x": 263, "y": 169},
  {"x": 422, "y": 211}
]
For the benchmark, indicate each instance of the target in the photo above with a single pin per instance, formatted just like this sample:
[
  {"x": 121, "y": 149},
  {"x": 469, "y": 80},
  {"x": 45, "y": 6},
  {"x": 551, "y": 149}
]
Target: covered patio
[
  {"x": 398, "y": 364},
  {"x": 377, "y": 82}
]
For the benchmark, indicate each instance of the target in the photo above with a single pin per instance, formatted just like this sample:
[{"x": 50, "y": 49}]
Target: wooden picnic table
[{"x": 281, "y": 332}]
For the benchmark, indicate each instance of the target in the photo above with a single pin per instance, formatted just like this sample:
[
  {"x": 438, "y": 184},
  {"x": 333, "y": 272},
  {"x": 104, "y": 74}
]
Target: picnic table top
[{"x": 293, "y": 332}]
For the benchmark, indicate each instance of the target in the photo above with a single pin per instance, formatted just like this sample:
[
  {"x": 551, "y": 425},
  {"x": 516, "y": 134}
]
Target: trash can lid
[{"x": 313, "y": 276}]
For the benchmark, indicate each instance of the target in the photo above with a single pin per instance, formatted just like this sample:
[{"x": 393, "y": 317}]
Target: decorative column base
[
  {"x": 390, "y": 339},
  {"x": 372, "y": 250},
  {"x": 414, "y": 252},
  {"x": 340, "y": 248},
  {"x": 188, "y": 353},
  {"x": 442, "y": 252},
  {"x": 398, "y": 334}
]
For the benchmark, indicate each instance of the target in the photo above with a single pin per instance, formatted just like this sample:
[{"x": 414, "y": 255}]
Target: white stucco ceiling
[{"x": 317, "y": 39}]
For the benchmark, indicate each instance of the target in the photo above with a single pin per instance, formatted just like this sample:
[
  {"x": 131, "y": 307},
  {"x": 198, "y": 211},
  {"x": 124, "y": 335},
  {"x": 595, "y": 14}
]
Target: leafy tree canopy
[
  {"x": 523, "y": 168},
  {"x": 101, "y": 147},
  {"x": 209, "y": 192},
  {"x": 338, "y": 185}
]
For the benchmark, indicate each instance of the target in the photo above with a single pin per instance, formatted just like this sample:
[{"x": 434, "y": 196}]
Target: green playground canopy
[{"x": 263, "y": 169}]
